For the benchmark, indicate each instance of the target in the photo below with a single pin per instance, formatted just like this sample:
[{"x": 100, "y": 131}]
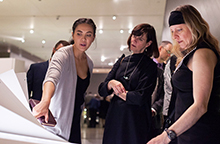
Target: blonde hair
[{"x": 199, "y": 29}]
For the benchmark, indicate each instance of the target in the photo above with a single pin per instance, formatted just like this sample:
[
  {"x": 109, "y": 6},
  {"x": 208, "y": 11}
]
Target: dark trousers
[{"x": 92, "y": 114}]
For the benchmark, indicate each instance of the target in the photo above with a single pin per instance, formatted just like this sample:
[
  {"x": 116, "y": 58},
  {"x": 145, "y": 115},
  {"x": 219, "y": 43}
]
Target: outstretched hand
[
  {"x": 160, "y": 139},
  {"x": 41, "y": 109}
]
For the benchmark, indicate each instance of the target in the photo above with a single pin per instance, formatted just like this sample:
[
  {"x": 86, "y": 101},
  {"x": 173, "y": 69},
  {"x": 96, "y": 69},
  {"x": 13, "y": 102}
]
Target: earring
[{"x": 146, "y": 49}]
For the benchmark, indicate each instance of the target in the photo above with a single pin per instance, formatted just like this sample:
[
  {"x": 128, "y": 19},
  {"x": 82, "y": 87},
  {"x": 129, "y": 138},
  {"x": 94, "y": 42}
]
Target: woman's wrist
[
  {"x": 171, "y": 135},
  {"x": 165, "y": 138},
  {"x": 45, "y": 102},
  {"x": 110, "y": 84}
]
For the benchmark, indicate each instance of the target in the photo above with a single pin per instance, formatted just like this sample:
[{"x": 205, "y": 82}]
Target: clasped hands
[{"x": 118, "y": 88}]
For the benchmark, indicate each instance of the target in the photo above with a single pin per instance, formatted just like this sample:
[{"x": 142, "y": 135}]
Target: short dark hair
[
  {"x": 164, "y": 43},
  {"x": 63, "y": 42},
  {"x": 151, "y": 36}
]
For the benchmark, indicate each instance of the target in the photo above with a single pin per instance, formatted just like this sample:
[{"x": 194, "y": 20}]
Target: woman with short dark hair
[{"x": 132, "y": 81}]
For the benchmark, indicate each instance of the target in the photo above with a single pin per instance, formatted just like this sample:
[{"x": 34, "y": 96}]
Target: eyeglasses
[{"x": 168, "y": 51}]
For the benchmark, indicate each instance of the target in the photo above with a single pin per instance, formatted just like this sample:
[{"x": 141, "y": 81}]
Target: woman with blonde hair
[{"x": 195, "y": 82}]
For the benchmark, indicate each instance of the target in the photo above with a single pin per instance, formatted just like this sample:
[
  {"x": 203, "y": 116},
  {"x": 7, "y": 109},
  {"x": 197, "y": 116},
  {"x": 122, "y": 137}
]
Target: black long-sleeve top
[{"x": 128, "y": 122}]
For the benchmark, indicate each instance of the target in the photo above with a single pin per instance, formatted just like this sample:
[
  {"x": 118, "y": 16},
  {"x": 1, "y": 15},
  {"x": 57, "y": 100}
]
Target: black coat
[
  {"x": 128, "y": 122},
  {"x": 157, "y": 100},
  {"x": 35, "y": 78}
]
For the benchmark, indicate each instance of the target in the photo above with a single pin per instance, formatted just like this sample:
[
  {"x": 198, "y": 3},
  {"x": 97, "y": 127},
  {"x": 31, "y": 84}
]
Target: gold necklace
[{"x": 126, "y": 77}]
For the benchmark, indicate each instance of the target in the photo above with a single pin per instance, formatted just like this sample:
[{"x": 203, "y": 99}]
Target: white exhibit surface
[
  {"x": 23, "y": 82},
  {"x": 11, "y": 81},
  {"x": 17, "y": 124}
]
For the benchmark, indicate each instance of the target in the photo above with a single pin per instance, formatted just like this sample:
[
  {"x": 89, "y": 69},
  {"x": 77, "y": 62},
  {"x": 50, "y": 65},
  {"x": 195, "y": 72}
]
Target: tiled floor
[{"x": 92, "y": 135}]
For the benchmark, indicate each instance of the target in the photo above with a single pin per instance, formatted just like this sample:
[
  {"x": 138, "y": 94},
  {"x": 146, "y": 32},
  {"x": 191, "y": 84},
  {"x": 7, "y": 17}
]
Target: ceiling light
[
  {"x": 31, "y": 31},
  {"x": 43, "y": 41},
  {"x": 11, "y": 37},
  {"x": 123, "y": 47},
  {"x": 22, "y": 40},
  {"x": 103, "y": 58},
  {"x": 1, "y": 0},
  {"x": 114, "y": 17},
  {"x": 111, "y": 64},
  {"x": 129, "y": 31},
  {"x": 100, "y": 31},
  {"x": 121, "y": 31}
]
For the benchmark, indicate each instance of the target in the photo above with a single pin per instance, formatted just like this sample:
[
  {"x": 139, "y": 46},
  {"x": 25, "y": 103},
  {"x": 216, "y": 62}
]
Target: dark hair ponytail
[{"x": 86, "y": 21}]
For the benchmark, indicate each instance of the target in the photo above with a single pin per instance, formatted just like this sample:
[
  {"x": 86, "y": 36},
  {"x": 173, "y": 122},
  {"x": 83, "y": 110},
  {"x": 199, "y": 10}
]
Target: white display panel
[
  {"x": 17, "y": 124},
  {"x": 7, "y": 64}
]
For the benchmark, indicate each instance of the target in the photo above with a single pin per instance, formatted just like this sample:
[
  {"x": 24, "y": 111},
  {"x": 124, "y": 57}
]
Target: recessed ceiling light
[
  {"x": 121, "y": 31},
  {"x": 43, "y": 41},
  {"x": 103, "y": 58},
  {"x": 100, "y": 31},
  {"x": 22, "y": 40},
  {"x": 114, "y": 17},
  {"x": 31, "y": 31}
]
